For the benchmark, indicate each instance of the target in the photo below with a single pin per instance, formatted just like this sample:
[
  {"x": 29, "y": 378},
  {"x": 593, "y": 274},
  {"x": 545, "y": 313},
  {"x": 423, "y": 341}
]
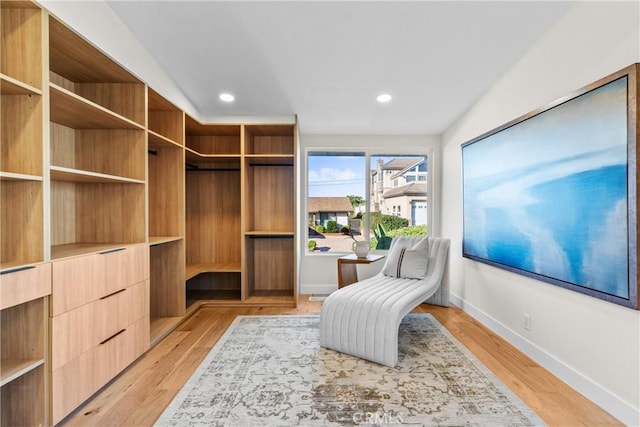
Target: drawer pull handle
[
  {"x": 15, "y": 270},
  {"x": 108, "y": 251},
  {"x": 113, "y": 293},
  {"x": 113, "y": 336}
]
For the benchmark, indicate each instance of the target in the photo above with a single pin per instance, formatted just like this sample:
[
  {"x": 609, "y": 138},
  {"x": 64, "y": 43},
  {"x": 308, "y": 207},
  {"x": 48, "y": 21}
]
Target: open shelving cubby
[
  {"x": 97, "y": 148},
  {"x": 269, "y": 212},
  {"x": 213, "y": 210},
  {"x": 270, "y": 268},
  {"x": 21, "y": 157},
  {"x": 22, "y": 236},
  {"x": 22, "y": 46},
  {"x": 21, "y": 134},
  {"x": 165, "y": 157},
  {"x": 212, "y": 139},
  {"x": 79, "y": 68},
  {"x": 275, "y": 140},
  {"x": 166, "y": 180},
  {"x": 22, "y": 367}
]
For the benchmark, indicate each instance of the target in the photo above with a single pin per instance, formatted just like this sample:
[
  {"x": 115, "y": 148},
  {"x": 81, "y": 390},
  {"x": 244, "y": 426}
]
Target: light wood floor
[{"x": 139, "y": 395}]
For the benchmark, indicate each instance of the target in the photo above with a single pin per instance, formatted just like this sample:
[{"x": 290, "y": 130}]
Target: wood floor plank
[
  {"x": 140, "y": 394},
  {"x": 558, "y": 404}
]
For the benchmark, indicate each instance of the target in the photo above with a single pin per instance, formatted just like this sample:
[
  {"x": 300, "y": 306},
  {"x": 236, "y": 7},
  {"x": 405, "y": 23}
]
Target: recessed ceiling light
[
  {"x": 226, "y": 97},
  {"x": 385, "y": 97}
]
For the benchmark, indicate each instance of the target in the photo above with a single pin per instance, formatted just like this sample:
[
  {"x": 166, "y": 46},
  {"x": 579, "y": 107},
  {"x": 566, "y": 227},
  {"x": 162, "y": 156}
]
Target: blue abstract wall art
[{"x": 548, "y": 196}]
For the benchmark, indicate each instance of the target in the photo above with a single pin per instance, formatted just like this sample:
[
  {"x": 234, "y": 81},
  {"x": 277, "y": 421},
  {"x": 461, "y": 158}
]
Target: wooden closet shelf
[
  {"x": 11, "y": 176},
  {"x": 267, "y": 233},
  {"x": 71, "y": 56},
  {"x": 192, "y": 270},
  {"x": 158, "y": 240},
  {"x": 76, "y": 112},
  {"x": 270, "y": 156},
  {"x": 14, "y": 368},
  {"x": 59, "y": 173},
  {"x": 160, "y": 141},
  {"x": 195, "y": 154},
  {"x": 195, "y": 128},
  {"x": 11, "y": 86}
]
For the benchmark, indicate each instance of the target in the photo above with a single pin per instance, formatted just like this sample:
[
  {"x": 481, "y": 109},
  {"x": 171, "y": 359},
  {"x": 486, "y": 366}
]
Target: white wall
[
  {"x": 319, "y": 273},
  {"x": 593, "y": 345}
]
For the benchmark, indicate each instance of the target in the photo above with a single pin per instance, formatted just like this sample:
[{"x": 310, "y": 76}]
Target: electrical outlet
[{"x": 526, "y": 321}]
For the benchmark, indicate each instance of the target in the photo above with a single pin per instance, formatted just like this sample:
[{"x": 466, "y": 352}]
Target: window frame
[{"x": 368, "y": 152}]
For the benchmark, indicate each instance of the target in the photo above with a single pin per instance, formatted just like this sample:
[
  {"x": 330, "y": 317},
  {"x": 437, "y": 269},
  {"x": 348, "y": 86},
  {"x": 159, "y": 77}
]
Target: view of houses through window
[{"x": 355, "y": 196}]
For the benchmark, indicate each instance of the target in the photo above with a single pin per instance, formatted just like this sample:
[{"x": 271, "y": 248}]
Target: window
[
  {"x": 336, "y": 196},
  {"x": 364, "y": 196}
]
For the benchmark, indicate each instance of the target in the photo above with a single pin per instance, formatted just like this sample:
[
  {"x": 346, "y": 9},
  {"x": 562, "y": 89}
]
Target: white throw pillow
[{"x": 407, "y": 262}]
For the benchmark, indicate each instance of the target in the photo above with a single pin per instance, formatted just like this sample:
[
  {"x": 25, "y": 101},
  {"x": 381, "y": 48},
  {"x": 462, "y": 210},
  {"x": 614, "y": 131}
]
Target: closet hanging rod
[{"x": 213, "y": 170}]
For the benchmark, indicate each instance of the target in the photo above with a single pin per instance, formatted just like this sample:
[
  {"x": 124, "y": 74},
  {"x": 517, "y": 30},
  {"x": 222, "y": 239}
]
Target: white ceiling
[{"x": 327, "y": 61}]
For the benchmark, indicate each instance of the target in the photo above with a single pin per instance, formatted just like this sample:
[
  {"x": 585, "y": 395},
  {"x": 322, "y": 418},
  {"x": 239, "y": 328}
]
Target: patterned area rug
[{"x": 271, "y": 371}]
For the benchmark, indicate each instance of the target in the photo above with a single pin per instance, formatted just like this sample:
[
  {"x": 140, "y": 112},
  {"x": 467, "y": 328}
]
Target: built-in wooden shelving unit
[
  {"x": 98, "y": 147},
  {"x": 213, "y": 208},
  {"x": 236, "y": 172},
  {"x": 166, "y": 213},
  {"x": 25, "y": 281},
  {"x": 98, "y": 188},
  {"x": 120, "y": 216},
  {"x": 269, "y": 213}
]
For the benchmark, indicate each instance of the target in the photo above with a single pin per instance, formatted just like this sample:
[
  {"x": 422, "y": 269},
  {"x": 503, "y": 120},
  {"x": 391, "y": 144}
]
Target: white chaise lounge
[{"x": 362, "y": 319}]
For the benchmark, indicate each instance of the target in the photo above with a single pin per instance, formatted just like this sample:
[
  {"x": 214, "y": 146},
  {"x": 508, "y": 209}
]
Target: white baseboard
[
  {"x": 623, "y": 411},
  {"x": 317, "y": 289}
]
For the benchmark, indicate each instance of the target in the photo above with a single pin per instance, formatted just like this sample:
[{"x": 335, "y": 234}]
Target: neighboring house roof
[
  {"x": 411, "y": 189},
  {"x": 408, "y": 168},
  {"x": 329, "y": 204},
  {"x": 398, "y": 164}
]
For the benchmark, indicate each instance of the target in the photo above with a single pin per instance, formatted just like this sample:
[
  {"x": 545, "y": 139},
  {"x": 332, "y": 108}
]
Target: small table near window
[{"x": 347, "y": 272}]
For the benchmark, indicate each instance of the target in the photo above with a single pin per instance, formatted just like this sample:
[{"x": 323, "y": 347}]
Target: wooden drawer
[
  {"x": 24, "y": 284},
  {"x": 121, "y": 309},
  {"x": 76, "y": 381},
  {"x": 112, "y": 356},
  {"x": 71, "y": 385},
  {"x": 77, "y": 331},
  {"x": 80, "y": 280}
]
